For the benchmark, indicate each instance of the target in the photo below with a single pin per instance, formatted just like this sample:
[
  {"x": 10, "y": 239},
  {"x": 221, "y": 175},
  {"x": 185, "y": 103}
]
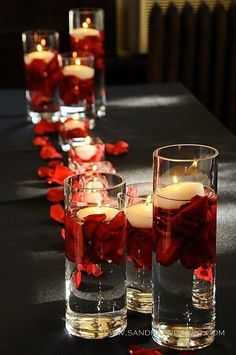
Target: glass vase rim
[
  {"x": 84, "y": 10},
  {"x": 215, "y": 152},
  {"x": 41, "y": 31},
  {"x": 99, "y": 189},
  {"x": 81, "y": 55}
]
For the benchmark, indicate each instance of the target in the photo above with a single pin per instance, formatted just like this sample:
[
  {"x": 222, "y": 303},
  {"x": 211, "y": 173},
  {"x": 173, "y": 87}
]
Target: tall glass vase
[
  {"x": 184, "y": 241},
  {"x": 95, "y": 252}
]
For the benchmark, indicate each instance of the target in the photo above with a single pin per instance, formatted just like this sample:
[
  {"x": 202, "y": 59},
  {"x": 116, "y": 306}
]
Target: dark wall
[{"x": 22, "y": 15}]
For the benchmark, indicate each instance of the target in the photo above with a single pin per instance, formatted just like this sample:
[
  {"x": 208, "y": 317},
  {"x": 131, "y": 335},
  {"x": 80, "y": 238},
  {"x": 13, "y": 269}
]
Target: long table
[{"x": 31, "y": 252}]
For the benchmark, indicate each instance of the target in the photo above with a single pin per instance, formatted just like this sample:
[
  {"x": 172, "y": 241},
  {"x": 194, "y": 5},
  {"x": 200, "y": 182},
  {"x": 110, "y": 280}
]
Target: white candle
[
  {"x": 110, "y": 212},
  {"x": 80, "y": 33},
  {"x": 175, "y": 195},
  {"x": 93, "y": 196},
  {"x": 72, "y": 124},
  {"x": 82, "y": 72},
  {"x": 140, "y": 215},
  {"x": 43, "y": 55},
  {"x": 86, "y": 152}
]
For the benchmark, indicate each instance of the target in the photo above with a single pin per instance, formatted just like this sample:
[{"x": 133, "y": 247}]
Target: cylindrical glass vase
[
  {"x": 139, "y": 246},
  {"x": 86, "y": 28},
  {"x": 184, "y": 242},
  {"x": 42, "y": 74},
  {"x": 95, "y": 251}
]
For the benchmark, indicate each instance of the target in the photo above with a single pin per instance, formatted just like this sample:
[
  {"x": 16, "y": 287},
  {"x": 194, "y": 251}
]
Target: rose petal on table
[
  {"x": 45, "y": 127},
  {"x": 63, "y": 233},
  {"x": 120, "y": 147},
  {"x": 54, "y": 163},
  {"x": 48, "y": 151},
  {"x": 43, "y": 171},
  {"x": 58, "y": 175},
  {"x": 57, "y": 213},
  {"x": 137, "y": 350},
  {"x": 40, "y": 141},
  {"x": 55, "y": 195}
]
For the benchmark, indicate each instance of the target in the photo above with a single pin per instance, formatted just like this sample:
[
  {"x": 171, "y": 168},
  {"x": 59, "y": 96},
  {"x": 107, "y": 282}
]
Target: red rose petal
[
  {"x": 57, "y": 213},
  {"x": 48, "y": 151},
  {"x": 45, "y": 126},
  {"x": 137, "y": 350},
  {"x": 54, "y": 163},
  {"x": 43, "y": 171},
  {"x": 204, "y": 274},
  {"x": 74, "y": 249},
  {"x": 94, "y": 269},
  {"x": 58, "y": 175},
  {"x": 40, "y": 141},
  {"x": 63, "y": 233},
  {"x": 120, "y": 147},
  {"x": 76, "y": 276},
  {"x": 55, "y": 195}
]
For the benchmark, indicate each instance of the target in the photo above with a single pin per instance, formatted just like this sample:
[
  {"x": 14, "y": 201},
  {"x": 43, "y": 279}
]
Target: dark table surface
[{"x": 31, "y": 252}]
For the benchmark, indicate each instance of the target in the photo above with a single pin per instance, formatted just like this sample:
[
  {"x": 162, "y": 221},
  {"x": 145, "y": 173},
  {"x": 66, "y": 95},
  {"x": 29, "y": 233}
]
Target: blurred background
[{"x": 147, "y": 41}]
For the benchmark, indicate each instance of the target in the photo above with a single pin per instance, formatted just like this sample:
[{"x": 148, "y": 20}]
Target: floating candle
[
  {"x": 81, "y": 32},
  {"x": 39, "y": 54},
  {"x": 82, "y": 72},
  {"x": 140, "y": 214},
  {"x": 175, "y": 195}
]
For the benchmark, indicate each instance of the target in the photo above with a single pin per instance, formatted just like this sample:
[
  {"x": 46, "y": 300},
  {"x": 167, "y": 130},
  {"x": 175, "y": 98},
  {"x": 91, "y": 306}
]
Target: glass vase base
[
  {"x": 96, "y": 326},
  {"x": 139, "y": 301},
  {"x": 183, "y": 337}
]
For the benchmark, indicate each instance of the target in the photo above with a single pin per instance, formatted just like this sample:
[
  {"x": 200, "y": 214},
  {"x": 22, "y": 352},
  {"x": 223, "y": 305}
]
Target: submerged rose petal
[
  {"x": 48, "y": 151},
  {"x": 186, "y": 234},
  {"x": 74, "y": 244},
  {"x": 94, "y": 269},
  {"x": 120, "y": 147},
  {"x": 204, "y": 274},
  {"x": 57, "y": 213},
  {"x": 55, "y": 195},
  {"x": 139, "y": 246},
  {"x": 76, "y": 276}
]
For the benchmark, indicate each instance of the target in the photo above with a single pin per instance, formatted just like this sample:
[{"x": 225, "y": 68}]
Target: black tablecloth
[{"x": 31, "y": 252}]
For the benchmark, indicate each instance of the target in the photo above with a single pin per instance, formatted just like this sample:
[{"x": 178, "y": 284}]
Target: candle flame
[
  {"x": 77, "y": 61},
  {"x": 149, "y": 199},
  {"x": 85, "y": 25},
  {"x": 39, "y": 48},
  {"x": 43, "y": 42},
  {"x": 175, "y": 180},
  {"x": 94, "y": 168},
  {"x": 88, "y": 20},
  {"x": 87, "y": 140},
  {"x": 74, "y": 54},
  {"x": 194, "y": 165}
]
